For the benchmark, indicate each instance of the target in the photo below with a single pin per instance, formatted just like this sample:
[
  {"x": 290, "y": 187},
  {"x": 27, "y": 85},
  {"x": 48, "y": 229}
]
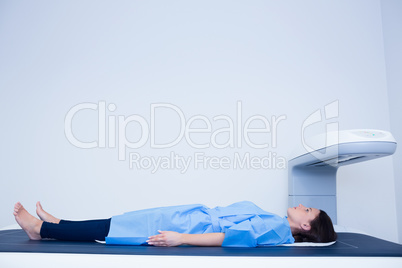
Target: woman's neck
[{"x": 293, "y": 227}]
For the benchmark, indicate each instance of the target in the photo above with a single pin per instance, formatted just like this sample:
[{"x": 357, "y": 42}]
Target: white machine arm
[{"x": 312, "y": 174}]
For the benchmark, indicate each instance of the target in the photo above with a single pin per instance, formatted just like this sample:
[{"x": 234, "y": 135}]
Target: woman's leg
[
  {"x": 63, "y": 230},
  {"x": 76, "y": 230}
]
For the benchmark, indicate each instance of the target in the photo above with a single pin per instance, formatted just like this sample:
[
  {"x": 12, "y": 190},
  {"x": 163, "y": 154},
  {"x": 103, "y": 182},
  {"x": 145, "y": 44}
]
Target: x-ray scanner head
[{"x": 312, "y": 172}]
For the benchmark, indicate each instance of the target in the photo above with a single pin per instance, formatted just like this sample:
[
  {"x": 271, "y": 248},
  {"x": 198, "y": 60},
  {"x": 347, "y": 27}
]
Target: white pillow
[{"x": 308, "y": 244}]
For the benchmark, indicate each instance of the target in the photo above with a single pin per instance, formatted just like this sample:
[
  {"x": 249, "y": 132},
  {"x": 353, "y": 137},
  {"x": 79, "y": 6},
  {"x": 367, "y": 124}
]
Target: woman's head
[{"x": 310, "y": 225}]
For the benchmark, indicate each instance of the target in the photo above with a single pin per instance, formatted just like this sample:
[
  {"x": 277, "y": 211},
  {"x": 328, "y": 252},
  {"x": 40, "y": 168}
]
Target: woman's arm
[{"x": 171, "y": 239}]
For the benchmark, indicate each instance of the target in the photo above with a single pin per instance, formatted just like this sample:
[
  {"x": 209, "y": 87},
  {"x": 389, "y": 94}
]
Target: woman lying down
[{"x": 241, "y": 224}]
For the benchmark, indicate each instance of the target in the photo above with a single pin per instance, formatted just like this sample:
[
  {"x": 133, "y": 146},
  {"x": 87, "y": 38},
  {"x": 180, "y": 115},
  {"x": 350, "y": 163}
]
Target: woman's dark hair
[{"x": 321, "y": 231}]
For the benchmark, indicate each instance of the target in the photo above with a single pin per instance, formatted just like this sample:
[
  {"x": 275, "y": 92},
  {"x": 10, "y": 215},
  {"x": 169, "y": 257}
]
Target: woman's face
[{"x": 302, "y": 215}]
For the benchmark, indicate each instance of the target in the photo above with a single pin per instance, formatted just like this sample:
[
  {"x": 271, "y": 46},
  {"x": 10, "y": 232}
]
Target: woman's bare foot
[
  {"x": 28, "y": 223},
  {"x": 44, "y": 216}
]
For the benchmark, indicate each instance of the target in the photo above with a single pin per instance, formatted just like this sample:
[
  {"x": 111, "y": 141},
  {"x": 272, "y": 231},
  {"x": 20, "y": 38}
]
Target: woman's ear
[{"x": 306, "y": 226}]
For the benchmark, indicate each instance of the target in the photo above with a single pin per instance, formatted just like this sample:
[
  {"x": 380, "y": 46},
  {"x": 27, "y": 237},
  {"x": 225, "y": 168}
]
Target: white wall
[
  {"x": 392, "y": 22},
  {"x": 276, "y": 57}
]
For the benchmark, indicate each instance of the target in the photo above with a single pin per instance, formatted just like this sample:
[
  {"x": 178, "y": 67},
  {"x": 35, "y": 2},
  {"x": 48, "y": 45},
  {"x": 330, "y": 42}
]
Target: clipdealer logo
[
  {"x": 112, "y": 134},
  {"x": 328, "y": 116}
]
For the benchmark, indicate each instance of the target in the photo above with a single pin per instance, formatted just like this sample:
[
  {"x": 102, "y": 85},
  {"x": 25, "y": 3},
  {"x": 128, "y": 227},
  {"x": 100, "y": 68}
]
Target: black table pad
[{"x": 348, "y": 244}]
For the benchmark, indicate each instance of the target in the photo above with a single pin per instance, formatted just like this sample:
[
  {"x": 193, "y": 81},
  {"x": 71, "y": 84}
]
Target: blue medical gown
[{"x": 244, "y": 224}]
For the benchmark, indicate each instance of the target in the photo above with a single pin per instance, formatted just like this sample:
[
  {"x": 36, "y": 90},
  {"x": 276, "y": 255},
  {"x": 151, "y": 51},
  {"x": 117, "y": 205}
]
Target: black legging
[{"x": 76, "y": 230}]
